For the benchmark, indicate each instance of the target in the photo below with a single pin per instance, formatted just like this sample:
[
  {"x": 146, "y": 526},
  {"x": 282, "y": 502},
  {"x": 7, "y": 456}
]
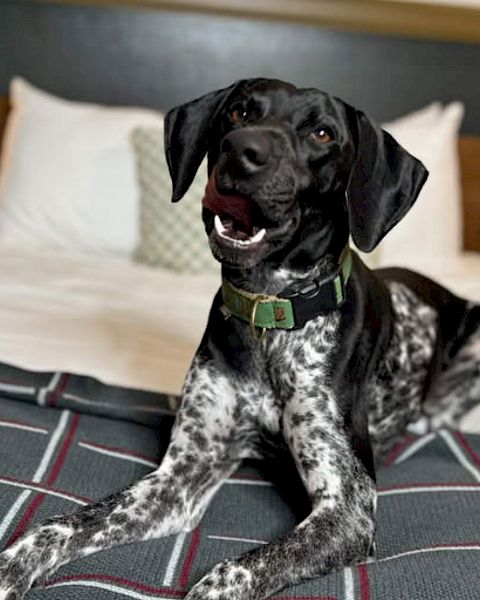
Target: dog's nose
[{"x": 248, "y": 147}]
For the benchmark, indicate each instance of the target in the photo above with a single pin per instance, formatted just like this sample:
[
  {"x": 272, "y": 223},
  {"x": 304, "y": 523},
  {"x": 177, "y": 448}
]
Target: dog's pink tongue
[{"x": 239, "y": 208}]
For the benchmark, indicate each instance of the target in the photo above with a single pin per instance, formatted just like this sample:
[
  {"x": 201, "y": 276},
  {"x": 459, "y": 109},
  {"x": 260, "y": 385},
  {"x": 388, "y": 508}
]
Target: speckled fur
[
  {"x": 397, "y": 390},
  {"x": 457, "y": 389},
  {"x": 287, "y": 393}
]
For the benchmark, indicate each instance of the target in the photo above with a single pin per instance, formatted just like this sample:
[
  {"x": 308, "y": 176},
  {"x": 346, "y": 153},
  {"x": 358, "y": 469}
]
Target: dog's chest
[{"x": 293, "y": 364}]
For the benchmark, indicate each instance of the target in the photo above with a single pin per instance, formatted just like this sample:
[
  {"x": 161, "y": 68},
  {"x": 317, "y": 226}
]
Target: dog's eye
[
  {"x": 321, "y": 135},
  {"x": 237, "y": 114}
]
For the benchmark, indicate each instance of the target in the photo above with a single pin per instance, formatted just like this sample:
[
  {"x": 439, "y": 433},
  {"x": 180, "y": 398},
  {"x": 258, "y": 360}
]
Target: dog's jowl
[{"x": 304, "y": 344}]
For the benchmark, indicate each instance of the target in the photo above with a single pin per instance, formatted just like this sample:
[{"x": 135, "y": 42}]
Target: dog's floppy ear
[
  {"x": 384, "y": 183},
  {"x": 187, "y": 130}
]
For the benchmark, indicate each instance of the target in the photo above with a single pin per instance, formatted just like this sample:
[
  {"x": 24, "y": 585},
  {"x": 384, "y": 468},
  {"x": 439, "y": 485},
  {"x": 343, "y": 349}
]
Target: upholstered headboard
[
  {"x": 154, "y": 57},
  {"x": 470, "y": 169},
  {"x": 3, "y": 115}
]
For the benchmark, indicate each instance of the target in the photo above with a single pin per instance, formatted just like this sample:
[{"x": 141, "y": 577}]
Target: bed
[{"x": 93, "y": 349}]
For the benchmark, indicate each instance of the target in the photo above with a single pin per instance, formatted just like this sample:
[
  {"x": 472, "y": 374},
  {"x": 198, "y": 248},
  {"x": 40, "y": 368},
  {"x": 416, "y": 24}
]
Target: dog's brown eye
[
  {"x": 321, "y": 135},
  {"x": 237, "y": 114}
]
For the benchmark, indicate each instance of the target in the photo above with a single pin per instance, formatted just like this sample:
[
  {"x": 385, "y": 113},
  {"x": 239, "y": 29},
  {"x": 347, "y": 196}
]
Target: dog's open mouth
[
  {"x": 240, "y": 235},
  {"x": 231, "y": 231},
  {"x": 237, "y": 222}
]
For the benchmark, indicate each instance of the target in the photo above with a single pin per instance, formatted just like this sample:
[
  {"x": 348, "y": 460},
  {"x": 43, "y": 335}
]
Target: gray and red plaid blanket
[{"x": 67, "y": 440}]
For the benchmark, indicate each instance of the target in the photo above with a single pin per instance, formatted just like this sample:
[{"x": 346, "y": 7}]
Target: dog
[{"x": 304, "y": 344}]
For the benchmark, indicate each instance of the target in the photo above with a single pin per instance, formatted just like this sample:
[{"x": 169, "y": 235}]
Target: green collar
[{"x": 318, "y": 297}]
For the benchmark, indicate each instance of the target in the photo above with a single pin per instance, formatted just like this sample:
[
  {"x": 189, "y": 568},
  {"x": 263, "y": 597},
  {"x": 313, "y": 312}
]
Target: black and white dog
[{"x": 304, "y": 344}]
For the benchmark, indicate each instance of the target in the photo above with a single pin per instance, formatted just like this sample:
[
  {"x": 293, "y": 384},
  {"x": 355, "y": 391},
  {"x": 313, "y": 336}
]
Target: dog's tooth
[
  {"x": 222, "y": 232},
  {"x": 258, "y": 236},
  {"x": 219, "y": 225}
]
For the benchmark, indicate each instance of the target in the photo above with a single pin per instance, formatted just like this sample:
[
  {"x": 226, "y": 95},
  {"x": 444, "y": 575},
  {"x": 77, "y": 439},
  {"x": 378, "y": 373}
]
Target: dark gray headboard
[{"x": 150, "y": 57}]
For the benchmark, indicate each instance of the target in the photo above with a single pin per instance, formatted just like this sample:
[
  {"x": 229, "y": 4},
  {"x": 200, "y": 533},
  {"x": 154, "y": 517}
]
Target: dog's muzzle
[{"x": 248, "y": 202}]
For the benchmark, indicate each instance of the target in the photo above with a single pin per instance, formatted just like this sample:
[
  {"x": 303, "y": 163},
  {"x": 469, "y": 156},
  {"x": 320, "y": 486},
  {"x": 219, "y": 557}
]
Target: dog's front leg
[
  {"x": 339, "y": 530},
  {"x": 200, "y": 455}
]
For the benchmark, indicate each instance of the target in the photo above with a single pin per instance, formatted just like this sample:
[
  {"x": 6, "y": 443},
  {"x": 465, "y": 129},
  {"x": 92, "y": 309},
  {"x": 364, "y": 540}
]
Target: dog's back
[
  {"x": 458, "y": 318},
  {"x": 453, "y": 384}
]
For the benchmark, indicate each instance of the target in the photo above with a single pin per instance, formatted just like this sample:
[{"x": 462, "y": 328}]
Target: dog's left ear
[
  {"x": 187, "y": 130},
  {"x": 384, "y": 183}
]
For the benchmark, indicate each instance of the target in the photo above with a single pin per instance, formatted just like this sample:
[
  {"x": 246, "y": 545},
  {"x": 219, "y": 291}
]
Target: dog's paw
[
  {"x": 10, "y": 594},
  {"x": 227, "y": 581},
  {"x": 9, "y": 591},
  {"x": 13, "y": 583}
]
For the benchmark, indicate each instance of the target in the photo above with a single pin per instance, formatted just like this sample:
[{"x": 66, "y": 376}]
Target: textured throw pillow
[
  {"x": 433, "y": 227},
  {"x": 67, "y": 174},
  {"x": 171, "y": 235}
]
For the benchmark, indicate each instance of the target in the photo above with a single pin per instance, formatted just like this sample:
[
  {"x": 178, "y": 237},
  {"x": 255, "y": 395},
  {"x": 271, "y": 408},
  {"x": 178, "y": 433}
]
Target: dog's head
[{"x": 291, "y": 172}]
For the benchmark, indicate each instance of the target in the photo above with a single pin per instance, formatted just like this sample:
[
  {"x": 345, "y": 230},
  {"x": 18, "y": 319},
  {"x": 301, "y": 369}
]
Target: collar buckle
[
  {"x": 309, "y": 291},
  {"x": 334, "y": 282},
  {"x": 253, "y": 328}
]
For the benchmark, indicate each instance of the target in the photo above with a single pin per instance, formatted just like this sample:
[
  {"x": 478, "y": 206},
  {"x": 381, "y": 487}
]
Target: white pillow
[
  {"x": 67, "y": 174},
  {"x": 433, "y": 227}
]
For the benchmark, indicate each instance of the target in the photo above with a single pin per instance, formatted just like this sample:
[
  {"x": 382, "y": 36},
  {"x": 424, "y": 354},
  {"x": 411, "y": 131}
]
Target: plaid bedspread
[{"x": 59, "y": 450}]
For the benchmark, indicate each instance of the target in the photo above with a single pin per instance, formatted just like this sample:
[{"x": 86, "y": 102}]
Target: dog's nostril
[{"x": 255, "y": 155}]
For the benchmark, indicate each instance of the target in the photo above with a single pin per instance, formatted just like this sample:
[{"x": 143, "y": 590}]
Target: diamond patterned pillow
[{"x": 171, "y": 235}]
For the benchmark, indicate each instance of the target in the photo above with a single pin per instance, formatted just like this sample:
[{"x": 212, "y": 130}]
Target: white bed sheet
[{"x": 123, "y": 323}]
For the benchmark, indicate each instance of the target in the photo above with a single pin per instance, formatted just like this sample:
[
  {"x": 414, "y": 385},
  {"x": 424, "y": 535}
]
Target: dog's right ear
[
  {"x": 187, "y": 132},
  {"x": 384, "y": 182}
]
